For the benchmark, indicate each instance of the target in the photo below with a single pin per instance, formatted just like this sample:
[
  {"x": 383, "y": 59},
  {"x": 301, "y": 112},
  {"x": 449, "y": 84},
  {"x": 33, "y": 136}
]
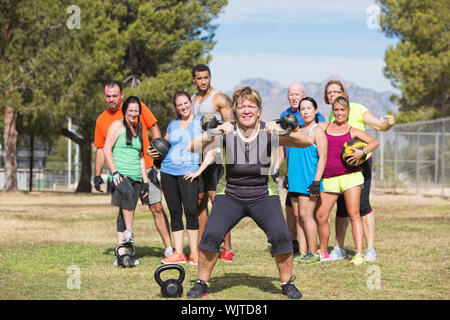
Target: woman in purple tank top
[{"x": 341, "y": 178}]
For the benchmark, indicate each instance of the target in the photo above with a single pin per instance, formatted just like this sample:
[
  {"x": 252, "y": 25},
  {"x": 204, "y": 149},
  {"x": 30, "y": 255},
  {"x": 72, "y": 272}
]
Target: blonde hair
[
  {"x": 245, "y": 93},
  {"x": 342, "y": 101},
  {"x": 337, "y": 82}
]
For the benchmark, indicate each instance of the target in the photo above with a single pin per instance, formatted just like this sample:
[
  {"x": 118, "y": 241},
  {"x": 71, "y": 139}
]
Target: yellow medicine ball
[{"x": 347, "y": 151}]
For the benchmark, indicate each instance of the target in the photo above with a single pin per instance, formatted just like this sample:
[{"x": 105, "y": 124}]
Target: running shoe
[
  {"x": 370, "y": 255},
  {"x": 127, "y": 237},
  {"x": 358, "y": 259},
  {"x": 337, "y": 254},
  {"x": 324, "y": 256},
  {"x": 227, "y": 255},
  {"x": 300, "y": 257},
  {"x": 168, "y": 252},
  {"x": 199, "y": 290},
  {"x": 193, "y": 259},
  {"x": 310, "y": 259},
  {"x": 176, "y": 257},
  {"x": 116, "y": 263},
  {"x": 290, "y": 290}
]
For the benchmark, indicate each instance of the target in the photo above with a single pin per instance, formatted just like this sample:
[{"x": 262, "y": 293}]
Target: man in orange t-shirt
[{"x": 114, "y": 98}]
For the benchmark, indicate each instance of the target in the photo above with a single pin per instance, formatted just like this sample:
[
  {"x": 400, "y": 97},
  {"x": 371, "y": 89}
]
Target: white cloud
[
  {"x": 229, "y": 70},
  {"x": 284, "y": 11}
]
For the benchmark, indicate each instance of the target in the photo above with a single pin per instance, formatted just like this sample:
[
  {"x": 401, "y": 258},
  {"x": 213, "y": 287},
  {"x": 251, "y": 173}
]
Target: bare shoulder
[
  {"x": 220, "y": 97},
  {"x": 222, "y": 103},
  {"x": 116, "y": 126},
  {"x": 323, "y": 125}
]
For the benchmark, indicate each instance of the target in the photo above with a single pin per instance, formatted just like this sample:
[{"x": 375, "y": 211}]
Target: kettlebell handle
[
  {"x": 169, "y": 267},
  {"x": 289, "y": 122},
  {"x": 126, "y": 245}
]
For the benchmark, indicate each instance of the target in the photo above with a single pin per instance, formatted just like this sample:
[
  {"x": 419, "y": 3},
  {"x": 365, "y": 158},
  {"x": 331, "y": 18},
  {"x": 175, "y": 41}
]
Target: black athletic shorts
[
  {"x": 209, "y": 178},
  {"x": 364, "y": 205},
  {"x": 126, "y": 194},
  {"x": 288, "y": 202},
  {"x": 227, "y": 211}
]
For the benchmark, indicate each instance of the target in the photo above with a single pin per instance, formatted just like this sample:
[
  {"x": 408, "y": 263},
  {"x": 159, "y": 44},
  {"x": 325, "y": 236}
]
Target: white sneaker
[
  {"x": 127, "y": 237},
  {"x": 168, "y": 252},
  {"x": 370, "y": 255},
  {"x": 116, "y": 263},
  {"x": 337, "y": 254}
]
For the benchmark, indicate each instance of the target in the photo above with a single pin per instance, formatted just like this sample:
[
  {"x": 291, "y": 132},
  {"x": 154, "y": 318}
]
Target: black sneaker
[
  {"x": 291, "y": 291},
  {"x": 199, "y": 290}
]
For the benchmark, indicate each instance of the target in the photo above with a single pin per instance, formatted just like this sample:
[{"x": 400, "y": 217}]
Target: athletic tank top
[
  {"x": 248, "y": 166},
  {"x": 126, "y": 157},
  {"x": 206, "y": 106},
  {"x": 179, "y": 160},
  {"x": 302, "y": 166},
  {"x": 335, "y": 166}
]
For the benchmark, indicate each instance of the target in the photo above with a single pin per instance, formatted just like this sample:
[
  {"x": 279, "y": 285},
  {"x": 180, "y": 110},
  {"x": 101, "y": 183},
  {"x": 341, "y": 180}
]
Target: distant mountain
[{"x": 274, "y": 96}]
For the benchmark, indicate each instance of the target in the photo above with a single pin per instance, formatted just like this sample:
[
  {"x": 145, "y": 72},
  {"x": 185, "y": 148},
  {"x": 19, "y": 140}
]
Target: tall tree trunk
[
  {"x": 84, "y": 185},
  {"x": 10, "y": 144}
]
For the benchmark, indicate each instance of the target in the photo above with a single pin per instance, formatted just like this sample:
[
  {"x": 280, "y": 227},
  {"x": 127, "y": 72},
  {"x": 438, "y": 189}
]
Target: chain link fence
[{"x": 413, "y": 158}]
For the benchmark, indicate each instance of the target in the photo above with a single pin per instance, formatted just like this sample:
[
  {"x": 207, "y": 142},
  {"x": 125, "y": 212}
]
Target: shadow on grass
[{"x": 230, "y": 280}]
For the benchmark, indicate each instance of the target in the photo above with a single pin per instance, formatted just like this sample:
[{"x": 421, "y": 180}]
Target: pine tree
[
  {"x": 57, "y": 56},
  {"x": 419, "y": 64}
]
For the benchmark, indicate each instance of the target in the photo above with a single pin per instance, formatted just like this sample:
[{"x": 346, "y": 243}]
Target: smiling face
[
  {"x": 340, "y": 111},
  {"x": 307, "y": 111},
  {"x": 247, "y": 113},
  {"x": 296, "y": 92},
  {"x": 183, "y": 106},
  {"x": 132, "y": 113}
]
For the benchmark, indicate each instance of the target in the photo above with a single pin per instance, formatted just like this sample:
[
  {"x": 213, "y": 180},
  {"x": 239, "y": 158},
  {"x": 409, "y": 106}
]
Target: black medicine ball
[{"x": 162, "y": 146}]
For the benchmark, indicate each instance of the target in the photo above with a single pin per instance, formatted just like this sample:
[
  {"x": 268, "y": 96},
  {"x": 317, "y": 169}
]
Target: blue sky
[{"x": 299, "y": 40}]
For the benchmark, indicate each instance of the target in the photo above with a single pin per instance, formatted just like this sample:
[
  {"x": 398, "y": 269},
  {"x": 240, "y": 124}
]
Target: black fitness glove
[
  {"x": 285, "y": 182},
  {"x": 144, "y": 193},
  {"x": 275, "y": 175},
  {"x": 98, "y": 181},
  {"x": 314, "y": 188},
  {"x": 115, "y": 177}
]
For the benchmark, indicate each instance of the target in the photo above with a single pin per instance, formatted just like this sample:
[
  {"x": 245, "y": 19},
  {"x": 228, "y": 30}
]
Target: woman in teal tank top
[
  {"x": 305, "y": 170},
  {"x": 124, "y": 156}
]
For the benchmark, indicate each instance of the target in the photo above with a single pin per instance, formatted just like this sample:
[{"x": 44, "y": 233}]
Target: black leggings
[
  {"x": 179, "y": 194},
  {"x": 227, "y": 211}
]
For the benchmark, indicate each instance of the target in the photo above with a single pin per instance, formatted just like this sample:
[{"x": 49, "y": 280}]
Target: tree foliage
[
  {"x": 419, "y": 64},
  {"x": 53, "y": 71}
]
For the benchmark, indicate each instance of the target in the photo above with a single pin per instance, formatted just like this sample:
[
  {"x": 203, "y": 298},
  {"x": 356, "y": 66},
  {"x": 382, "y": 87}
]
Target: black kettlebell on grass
[
  {"x": 170, "y": 288},
  {"x": 125, "y": 260}
]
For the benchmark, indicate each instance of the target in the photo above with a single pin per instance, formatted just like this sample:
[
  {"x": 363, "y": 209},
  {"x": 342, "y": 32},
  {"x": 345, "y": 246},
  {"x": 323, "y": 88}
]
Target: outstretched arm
[{"x": 378, "y": 124}]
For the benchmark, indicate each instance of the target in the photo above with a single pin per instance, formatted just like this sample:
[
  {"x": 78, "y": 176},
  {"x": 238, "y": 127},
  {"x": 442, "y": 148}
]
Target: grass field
[{"x": 46, "y": 236}]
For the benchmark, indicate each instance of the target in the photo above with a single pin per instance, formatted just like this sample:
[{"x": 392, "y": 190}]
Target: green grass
[{"x": 44, "y": 234}]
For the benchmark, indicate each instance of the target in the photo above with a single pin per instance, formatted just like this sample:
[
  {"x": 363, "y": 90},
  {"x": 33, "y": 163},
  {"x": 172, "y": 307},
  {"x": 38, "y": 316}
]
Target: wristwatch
[{"x": 365, "y": 152}]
